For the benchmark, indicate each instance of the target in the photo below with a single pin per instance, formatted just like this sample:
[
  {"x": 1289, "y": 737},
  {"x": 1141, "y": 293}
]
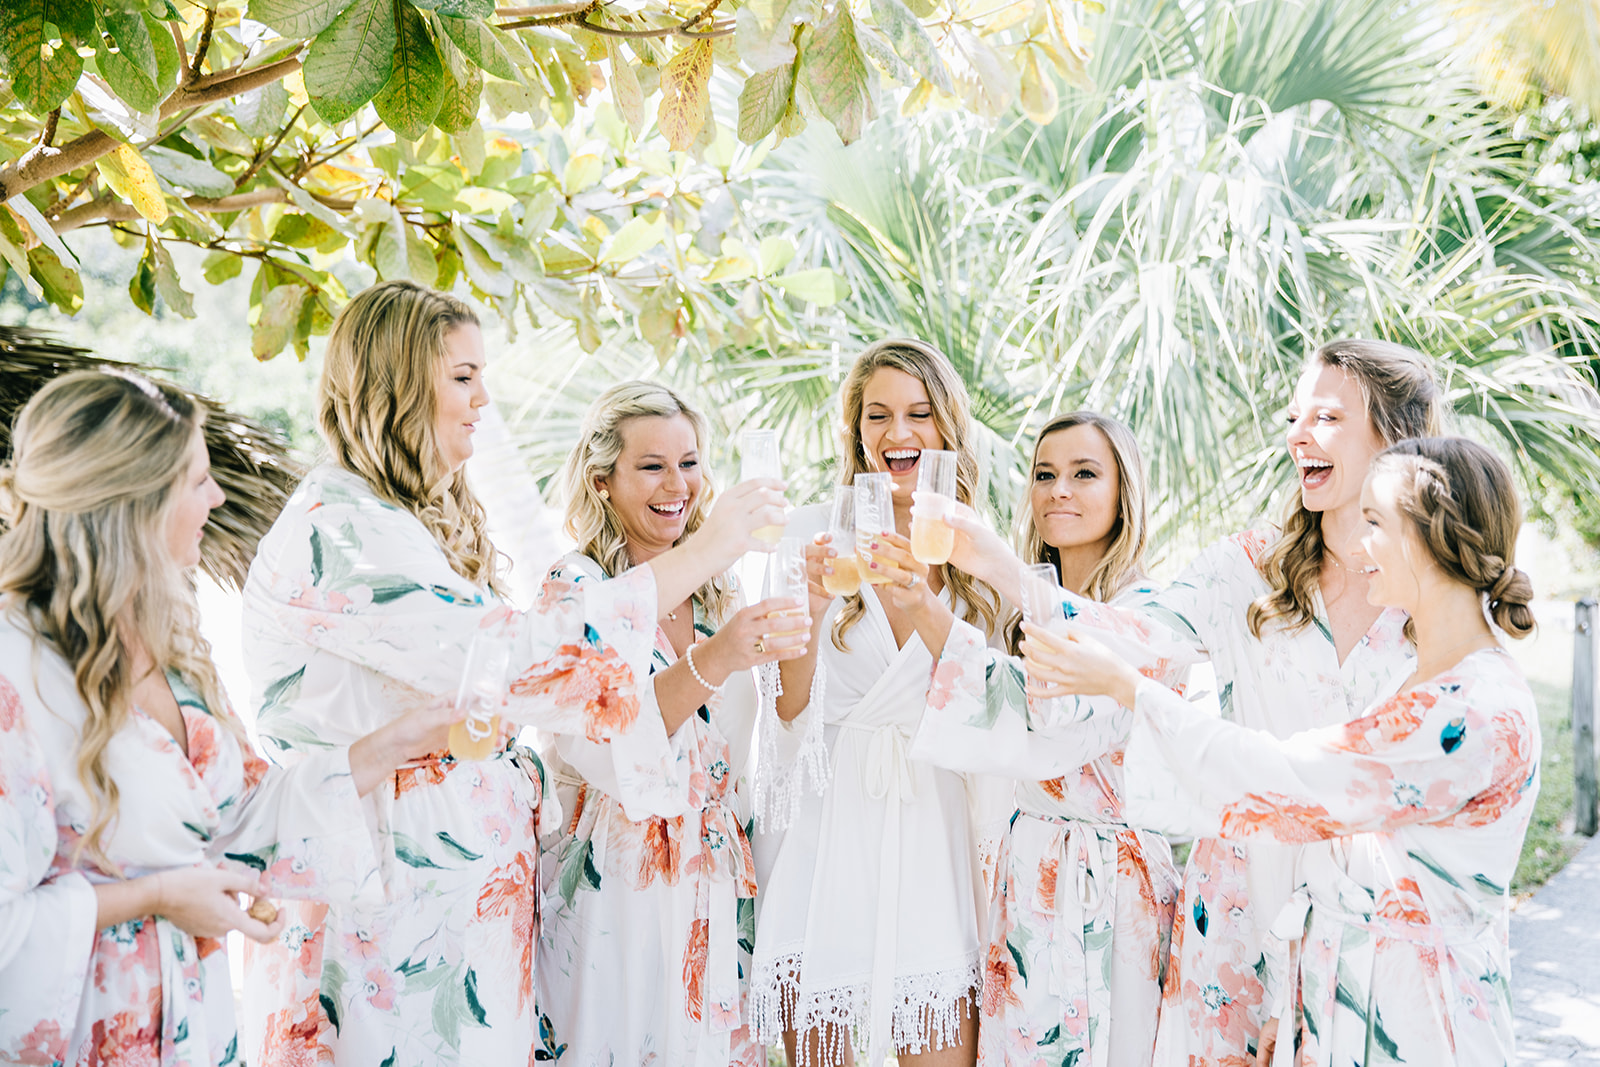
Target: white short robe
[{"x": 873, "y": 896}]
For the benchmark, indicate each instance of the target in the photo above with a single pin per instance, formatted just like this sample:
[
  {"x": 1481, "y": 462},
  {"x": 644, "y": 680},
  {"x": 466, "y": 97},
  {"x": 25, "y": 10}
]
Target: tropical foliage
[
  {"x": 575, "y": 158},
  {"x": 1242, "y": 182}
]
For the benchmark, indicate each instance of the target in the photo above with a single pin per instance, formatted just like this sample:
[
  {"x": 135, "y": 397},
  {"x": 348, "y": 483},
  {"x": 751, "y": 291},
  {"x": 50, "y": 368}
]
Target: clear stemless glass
[
  {"x": 483, "y": 687},
  {"x": 846, "y": 577},
  {"x": 1042, "y": 606},
  {"x": 758, "y": 458},
  {"x": 932, "y": 536},
  {"x": 874, "y": 515}
]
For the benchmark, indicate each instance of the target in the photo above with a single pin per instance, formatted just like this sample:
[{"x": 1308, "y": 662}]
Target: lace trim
[
  {"x": 925, "y": 1014},
  {"x": 781, "y": 784}
]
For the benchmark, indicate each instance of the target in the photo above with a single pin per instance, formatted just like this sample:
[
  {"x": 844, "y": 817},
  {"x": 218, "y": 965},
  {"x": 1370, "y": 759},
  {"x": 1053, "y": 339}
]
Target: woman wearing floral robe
[
  {"x": 1079, "y": 923},
  {"x": 1393, "y": 946},
  {"x": 644, "y": 955},
  {"x": 1283, "y": 619},
  {"x": 370, "y": 588},
  {"x": 131, "y": 809}
]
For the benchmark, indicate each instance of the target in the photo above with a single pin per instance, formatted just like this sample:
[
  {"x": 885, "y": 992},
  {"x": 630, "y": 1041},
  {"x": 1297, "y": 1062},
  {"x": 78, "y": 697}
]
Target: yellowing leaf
[
  {"x": 131, "y": 177},
  {"x": 625, "y": 89},
  {"x": 835, "y": 70},
  {"x": 820, "y": 286},
  {"x": 1038, "y": 92},
  {"x": 485, "y": 201},
  {"x": 774, "y": 254},
  {"x": 685, "y": 95},
  {"x": 583, "y": 170}
]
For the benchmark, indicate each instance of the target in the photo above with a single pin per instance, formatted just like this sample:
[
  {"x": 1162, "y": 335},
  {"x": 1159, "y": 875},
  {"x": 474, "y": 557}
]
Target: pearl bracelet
[{"x": 688, "y": 657}]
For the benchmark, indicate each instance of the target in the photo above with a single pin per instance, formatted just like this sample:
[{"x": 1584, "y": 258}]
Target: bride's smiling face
[{"x": 897, "y": 425}]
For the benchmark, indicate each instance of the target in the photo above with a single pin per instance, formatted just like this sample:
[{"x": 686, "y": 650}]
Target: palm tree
[{"x": 1244, "y": 180}]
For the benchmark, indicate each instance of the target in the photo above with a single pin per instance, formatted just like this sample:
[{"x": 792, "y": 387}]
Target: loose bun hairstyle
[{"x": 1462, "y": 501}]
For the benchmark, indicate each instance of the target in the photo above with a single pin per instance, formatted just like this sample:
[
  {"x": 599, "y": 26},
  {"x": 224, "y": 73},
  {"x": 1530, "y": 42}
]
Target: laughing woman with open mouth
[{"x": 867, "y": 931}]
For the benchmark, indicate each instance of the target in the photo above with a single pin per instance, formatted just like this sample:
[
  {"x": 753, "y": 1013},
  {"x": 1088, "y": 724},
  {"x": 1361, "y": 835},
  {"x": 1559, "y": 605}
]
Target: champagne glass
[
  {"x": 483, "y": 687},
  {"x": 1042, "y": 606},
  {"x": 846, "y": 577},
  {"x": 874, "y": 515},
  {"x": 932, "y": 536},
  {"x": 758, "y": 458},
  {"x": 786, "y": 576}
]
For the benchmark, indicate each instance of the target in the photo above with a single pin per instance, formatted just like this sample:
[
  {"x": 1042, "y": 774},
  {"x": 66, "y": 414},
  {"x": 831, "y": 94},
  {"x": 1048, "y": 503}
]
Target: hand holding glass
[
  {"x": 874, "y": 515},
  {"x": 786, "y": 577},
  {"x": 1041, "y": 606},
  {"x": 483, "y": 687}
]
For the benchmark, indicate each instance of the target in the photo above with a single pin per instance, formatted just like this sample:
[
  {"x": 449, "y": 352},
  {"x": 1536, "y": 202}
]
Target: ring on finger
[
  {"x": 916, "y": 579},
  {"x": 761, "y": 645}
]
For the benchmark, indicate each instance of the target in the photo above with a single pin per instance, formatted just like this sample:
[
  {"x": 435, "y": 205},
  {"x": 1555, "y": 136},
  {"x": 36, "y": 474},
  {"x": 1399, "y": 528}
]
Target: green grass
[{"x": 1551, "y": 842}]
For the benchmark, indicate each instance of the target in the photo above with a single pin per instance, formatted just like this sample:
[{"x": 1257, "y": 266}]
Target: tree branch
[
  {"x": 109, "y": 210},
  {"x": 577, "y": 7},
  {"x": 266, "y": 153},
  {"x": 41, "y": 163},
  {"x": 48, "y": 137},
  {"x": 183, "y": 49},
  {"x": 202, "y": 46}
]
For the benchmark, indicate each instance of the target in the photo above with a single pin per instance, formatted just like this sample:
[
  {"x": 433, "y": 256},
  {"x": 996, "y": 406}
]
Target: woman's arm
[{"x": 777, "y": 623}]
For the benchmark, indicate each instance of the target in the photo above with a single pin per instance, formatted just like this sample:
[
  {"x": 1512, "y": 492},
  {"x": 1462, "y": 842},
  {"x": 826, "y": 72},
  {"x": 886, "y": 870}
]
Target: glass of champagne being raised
[
  {"x": 758, "y": 458},
  {"x": 1042, "y": 606},
  {"x": 932, "y": 536},
  {"x": 874, "y": 515},
  {"x": 483, "y": 687},
  {"x": 846, "y": 577}
]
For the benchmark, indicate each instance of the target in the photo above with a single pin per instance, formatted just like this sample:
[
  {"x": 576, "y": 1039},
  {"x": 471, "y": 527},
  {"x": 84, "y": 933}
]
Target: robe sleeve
[
  {"x": 978, "y": 718},
  {"x": 1421, "y": 756},
  {"x": 347, "y": 574},
  {"x": 594, "y": 758},
  {"x": 47, "y": 924},
  {"x": 303, "y": 826}
]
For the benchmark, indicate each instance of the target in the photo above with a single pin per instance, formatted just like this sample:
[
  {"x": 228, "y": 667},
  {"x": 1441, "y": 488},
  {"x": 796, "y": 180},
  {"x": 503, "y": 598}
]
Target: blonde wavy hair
[
  {"x": 1402, "y": 399},
  {"x": 952, "y": 418},
  {"x": 98, "y": 457},
  {"x": 591, "y": 521},
  {"x": 1462, "y": 502},
  {"x": 377, "y": 405},
  {"x": 1123, "y": 561}
]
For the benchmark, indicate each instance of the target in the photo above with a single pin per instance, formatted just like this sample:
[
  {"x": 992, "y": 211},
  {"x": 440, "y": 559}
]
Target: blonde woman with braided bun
[
  {"x": 644, "y": 950},
  {"x": 368, "y": 592},
  {"x": 132, "y": 809},
  {"x": 1393, "y": 947}
]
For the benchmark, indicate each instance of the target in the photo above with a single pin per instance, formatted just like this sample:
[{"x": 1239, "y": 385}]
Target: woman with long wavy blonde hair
[
  {"x": 127, "y": 780},
  {"x": 868, "y": 925},
  {"x": 640, "y": 952},
  {"x": 370, "y": 590},
  {"x": 1284, "y": 618}
]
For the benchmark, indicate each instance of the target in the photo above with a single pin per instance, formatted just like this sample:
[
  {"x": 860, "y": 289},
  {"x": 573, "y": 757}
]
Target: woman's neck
[
  {"x": 1340, "y": 528},
  {"x": 1077, "y": 564},
  {"x": 1448, "y": 622}
]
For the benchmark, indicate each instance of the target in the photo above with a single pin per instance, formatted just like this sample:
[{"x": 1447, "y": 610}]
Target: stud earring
[{"x": 605, "y": 494}]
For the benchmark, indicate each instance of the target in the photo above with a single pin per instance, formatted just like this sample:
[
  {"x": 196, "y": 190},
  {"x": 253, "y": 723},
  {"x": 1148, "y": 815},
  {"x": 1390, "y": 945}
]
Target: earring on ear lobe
[{"x": 605, "y": 494}]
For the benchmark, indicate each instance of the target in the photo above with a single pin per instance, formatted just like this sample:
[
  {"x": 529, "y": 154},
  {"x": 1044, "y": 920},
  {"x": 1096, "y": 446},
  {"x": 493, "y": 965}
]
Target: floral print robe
[
  {"x": 1284, "y": 682},
  {"x": 352, "y": 612},
  {"x": 1393, "y": 948},
  {"x": 1079, "y": 922},
  {"x": 644, "y": 956},
  {"x": 143, "y": 991}
]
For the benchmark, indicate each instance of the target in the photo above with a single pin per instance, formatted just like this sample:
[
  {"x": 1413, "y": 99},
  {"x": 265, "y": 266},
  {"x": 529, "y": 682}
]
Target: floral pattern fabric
[
  {"x": 352, "y": 613},
  {"x": 1284, "y": 682},
  {"x": 1393, "y": 947},
  {"x": 143, "y": 991},
  {"x": 644, "y": 955},
  {"x": 1081, "y": 913}
]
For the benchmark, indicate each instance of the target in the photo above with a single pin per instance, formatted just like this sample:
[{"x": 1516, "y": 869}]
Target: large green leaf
[
  {"x": 128, "y": 64},
  {"x": 765, "y": 97},
  {"x": 477, "y": 41},
  {"x": 43, "y": 73},
  {"x": 296, "y": 18},
  {"x": 911, "y": 41},
  {"x": 415, "y": 91},
  {"x": 352, "y": 60}
]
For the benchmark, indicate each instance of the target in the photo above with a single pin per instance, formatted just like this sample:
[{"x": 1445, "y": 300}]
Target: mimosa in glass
[
  {"x": 846, "y": 577},
  {"x": 932, "y": 536},
  {"x": 758, "y": 458},
  {"x": 483, "y": 686}
]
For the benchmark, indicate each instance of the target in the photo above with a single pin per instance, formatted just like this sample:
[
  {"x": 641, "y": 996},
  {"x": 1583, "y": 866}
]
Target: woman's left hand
[
  {"x": 1067, "y": 665},
  {"x": 907, "y": 588}
]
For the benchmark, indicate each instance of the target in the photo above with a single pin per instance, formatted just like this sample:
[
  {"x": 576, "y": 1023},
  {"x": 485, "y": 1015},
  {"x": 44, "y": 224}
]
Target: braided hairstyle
[{"x": 1462, "y": 501}]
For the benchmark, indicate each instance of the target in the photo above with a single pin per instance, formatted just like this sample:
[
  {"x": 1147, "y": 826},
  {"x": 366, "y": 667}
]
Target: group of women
[{"x": 951, "y": 846}]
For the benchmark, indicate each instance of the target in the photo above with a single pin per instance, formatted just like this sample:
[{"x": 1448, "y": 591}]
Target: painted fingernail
[{"x": 873, "y": 565}]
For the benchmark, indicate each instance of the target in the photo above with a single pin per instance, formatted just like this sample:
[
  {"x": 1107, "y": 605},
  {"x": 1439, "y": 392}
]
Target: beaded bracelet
[{"x": 688, "y": 657}]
